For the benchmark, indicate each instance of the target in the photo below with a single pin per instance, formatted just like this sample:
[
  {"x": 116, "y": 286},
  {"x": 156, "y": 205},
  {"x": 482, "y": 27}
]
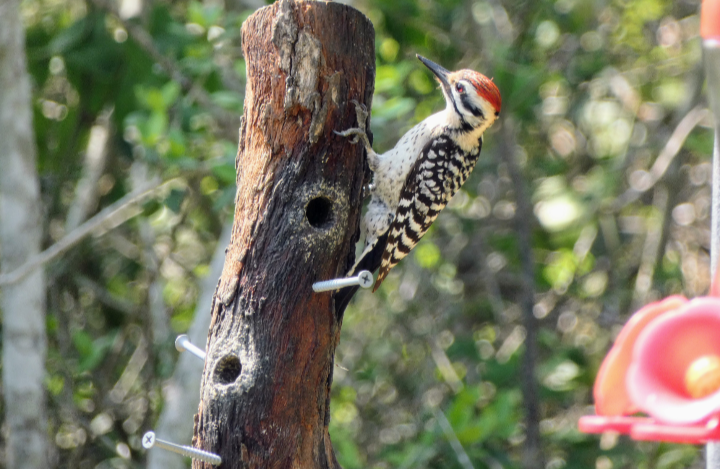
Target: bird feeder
[{"x": 665, "y": 364}]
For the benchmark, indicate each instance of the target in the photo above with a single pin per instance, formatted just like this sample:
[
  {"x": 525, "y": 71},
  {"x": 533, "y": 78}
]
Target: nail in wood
[
  {"x": 364, "y": 278},
  {"x": 183, "y": 344},
  {"x": 150, "y": 441}
]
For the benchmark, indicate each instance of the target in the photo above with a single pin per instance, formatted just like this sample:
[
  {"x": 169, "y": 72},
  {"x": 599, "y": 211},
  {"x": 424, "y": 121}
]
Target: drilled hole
[
  {"x": 319, "y": 212},
  {"x": 227, "y": 369}
]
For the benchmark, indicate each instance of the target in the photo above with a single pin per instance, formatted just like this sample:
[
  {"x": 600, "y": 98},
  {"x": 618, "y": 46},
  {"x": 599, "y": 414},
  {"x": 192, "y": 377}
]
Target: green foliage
[
  {"x": 586, "y": 110},
  {"x": 91, "y": 352},
  {"x": 105, "y": 365}
]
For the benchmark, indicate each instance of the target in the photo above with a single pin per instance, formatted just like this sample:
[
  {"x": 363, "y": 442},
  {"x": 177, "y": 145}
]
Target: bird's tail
[{"x": 370, "y": 260}]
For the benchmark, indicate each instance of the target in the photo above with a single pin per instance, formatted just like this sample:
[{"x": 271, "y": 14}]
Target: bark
[
  {"x": 23, "y": 303},
  {"x": 96, "y": 153},
  {"x": 159, "y": 319},
  {"x": 266, "y": 384}
]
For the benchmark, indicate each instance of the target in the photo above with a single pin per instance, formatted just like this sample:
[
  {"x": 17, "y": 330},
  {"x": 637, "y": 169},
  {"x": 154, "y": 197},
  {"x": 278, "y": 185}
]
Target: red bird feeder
[
  {"x": 666, "y": 360},
  {"x": 665, "y": 363},
  {"x": 710, "y": 20},
  {"x": 662, "y": 359}
]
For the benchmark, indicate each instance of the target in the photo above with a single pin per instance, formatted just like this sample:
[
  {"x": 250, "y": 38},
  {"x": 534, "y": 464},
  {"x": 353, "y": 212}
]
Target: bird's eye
[{"x": 460, "y": 88}]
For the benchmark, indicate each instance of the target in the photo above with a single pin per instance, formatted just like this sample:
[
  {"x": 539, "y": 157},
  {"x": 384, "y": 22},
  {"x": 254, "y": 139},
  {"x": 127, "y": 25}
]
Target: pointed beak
[{"x": 440, "y": 72}]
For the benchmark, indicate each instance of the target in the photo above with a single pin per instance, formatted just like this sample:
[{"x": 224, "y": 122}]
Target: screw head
[
  {"x": 148, "y": 440},
  {"x": 365, "y": 278},
  {"x": 180, "y": 342}
]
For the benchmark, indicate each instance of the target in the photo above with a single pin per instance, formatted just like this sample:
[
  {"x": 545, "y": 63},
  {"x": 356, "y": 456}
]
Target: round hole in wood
[
  {"x": 227, "y": 369},
  {"x": 319, "y": 212}
]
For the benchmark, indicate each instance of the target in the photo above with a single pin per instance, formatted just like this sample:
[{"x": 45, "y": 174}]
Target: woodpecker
[{"x": 414, "y": 181}]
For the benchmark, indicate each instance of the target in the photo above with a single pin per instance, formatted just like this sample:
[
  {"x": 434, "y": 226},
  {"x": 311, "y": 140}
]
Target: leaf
[
  {"x": 174, "y": 200},
  {"x": 224, "y": 172},
  {"x": 69, "y": 37},
  {"x": 427, "y": 254},
  {"x": 388, "y": 77},
  {"x": 54, "y": 384},
  {"x": 170, "y": 92},
  {"x": 155, "y": 127},
  {"x": 176, "y": 138},
  {"x": 228, "y": 100},
  {"x": 226, "y": 199},
  {"x": 82, "y": 342},
  {"x": 91, "y": 351},
  {"x": 394, "y": 108},
  {"x": 204, "y": 15}
]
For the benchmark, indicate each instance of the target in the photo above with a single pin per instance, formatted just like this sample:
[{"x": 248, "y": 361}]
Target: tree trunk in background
[
  {"x": 182, "y": 390},
  {"x": 266, "y": 384},
  {"x": 23, "y": 303}
]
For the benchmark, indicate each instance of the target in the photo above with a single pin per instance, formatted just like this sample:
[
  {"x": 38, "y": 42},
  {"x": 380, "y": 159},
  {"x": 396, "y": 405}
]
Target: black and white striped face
[
  {"x": 473, "y": 100},
  {"x": 472, "y": 110}
]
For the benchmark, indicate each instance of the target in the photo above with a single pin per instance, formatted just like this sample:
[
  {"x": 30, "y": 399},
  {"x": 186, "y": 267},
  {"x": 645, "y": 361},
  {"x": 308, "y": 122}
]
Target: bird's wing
[{"x": 440, "y": 170}]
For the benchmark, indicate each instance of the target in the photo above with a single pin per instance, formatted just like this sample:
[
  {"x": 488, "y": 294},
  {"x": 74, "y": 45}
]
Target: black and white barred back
[
  {"x": 416, "y": 179},
  {"x": 439, "y": 172}
]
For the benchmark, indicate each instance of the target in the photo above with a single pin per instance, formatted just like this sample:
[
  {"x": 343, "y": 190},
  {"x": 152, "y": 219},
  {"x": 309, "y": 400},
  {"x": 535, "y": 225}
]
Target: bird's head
[{"x": 473, "y": 100}]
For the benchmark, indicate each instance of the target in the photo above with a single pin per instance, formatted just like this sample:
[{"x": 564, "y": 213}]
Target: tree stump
[{"x": 266, "y": 384}]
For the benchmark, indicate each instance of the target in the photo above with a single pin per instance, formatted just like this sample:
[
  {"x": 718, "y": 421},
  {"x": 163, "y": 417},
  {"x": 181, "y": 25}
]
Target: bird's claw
[
  {"x": 355, "y": 132},
  {"x": 358, "y": 133},
  {"x": 361, "y": 113}
]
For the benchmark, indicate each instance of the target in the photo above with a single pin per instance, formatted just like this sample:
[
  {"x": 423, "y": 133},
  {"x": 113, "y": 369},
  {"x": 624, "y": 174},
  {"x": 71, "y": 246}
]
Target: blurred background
[{"x": 600, "y": 164}]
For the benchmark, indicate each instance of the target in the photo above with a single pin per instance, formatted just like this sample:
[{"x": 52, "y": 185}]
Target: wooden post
[
  {"x": 711, "y": 52},
  {"x": 266, "y": 384}
]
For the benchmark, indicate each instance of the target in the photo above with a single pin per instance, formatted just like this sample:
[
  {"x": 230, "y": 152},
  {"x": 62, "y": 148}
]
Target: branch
[
  {"x": 86, "y": 194},
  {"x": 666, "y": 156},
  {"x": 105, "y": 297},
  {"x": 651, "y": 248},
  {"x": 532, "y": 456},
  {"x": 159, "y": 321},
  {"x": 109, "y": 218},
  {"x": 145, "y": 40},
  {"x": 452, "y": 438},
  {"x": 492, "y": 285}
]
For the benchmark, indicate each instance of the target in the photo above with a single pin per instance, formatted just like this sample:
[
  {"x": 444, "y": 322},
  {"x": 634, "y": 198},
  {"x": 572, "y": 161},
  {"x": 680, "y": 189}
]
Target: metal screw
[
  {"x": 183, "y": 344},
  {"x": 149, "y": 440},
  {"x": 364, "y": 278}
]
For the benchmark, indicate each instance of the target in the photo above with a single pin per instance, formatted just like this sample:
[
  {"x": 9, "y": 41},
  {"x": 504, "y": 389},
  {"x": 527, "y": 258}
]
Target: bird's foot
[
  {"x": 361, "y": 112},
  {"x": 358, "y": 133}
]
